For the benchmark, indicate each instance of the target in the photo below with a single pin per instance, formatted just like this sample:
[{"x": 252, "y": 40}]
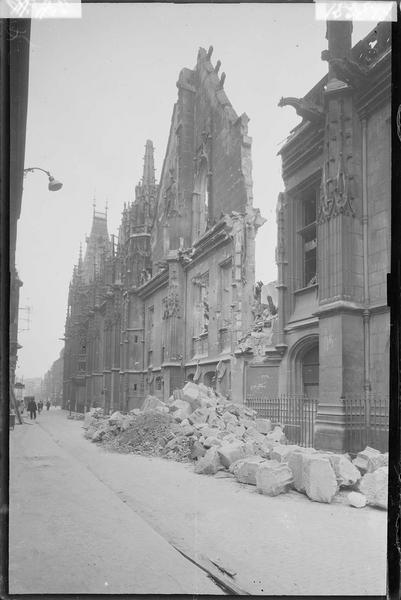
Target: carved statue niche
[
  {"x": 202, "y": 282},
  {"x": 171, "y": 196}
]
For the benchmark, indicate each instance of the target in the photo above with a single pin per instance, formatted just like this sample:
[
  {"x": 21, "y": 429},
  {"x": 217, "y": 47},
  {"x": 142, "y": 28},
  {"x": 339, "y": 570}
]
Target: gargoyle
[{"x": 304, "y": 108}]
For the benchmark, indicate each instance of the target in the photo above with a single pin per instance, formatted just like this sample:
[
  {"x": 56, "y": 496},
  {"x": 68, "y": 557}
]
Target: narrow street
[{"x": 84, "y": 520}]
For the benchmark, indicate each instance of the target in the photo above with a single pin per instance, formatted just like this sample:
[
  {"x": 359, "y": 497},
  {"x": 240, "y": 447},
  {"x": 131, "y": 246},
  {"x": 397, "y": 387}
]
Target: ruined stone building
[
  {"x": 331, "y": 335},
  {"x": 171, "y": 298}
]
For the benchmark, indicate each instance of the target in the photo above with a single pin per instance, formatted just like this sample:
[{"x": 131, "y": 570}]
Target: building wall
[
  {"x": 147, "y": 321},
  {"x": 379, "y": 194},
  {"x": 342, "y": 151}
]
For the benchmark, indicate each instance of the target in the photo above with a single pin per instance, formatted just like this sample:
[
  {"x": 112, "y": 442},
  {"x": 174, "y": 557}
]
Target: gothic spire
[{"x": 148, "y": 177}]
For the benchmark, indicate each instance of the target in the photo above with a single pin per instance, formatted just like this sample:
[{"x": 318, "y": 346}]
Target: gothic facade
[
  {"x": 331, "y": 336},
  {"x": 173, "y": 297}
]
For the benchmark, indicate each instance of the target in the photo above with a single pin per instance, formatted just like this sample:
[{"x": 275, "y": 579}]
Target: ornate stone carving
[
  {"x": 336, "y": 192},
  {"x": 281, "y": 239}
]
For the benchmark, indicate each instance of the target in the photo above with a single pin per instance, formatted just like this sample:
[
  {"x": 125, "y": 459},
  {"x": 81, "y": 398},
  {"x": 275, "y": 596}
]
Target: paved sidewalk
[
  {"x": 285, "y": 545},
  {"x": 70, "y": 534}
]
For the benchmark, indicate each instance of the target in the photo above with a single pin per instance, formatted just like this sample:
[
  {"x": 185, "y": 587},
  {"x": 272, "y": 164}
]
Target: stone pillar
[
  {"x": 281, "y": 261},
  {"x": 340, "y": 374},
  {"x": 340, "y": 256}
]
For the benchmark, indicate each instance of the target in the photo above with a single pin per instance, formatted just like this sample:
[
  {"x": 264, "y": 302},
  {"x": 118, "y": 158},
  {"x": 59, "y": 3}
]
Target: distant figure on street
[
  {"x": 48, "y": 405},
  {"x": 40, "y": 406},
  {"x": 32, "y": 408}
]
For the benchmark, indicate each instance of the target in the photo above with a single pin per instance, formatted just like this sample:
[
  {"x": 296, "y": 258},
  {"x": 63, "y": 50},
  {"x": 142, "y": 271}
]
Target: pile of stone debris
[{"x": 227, "y": 440}]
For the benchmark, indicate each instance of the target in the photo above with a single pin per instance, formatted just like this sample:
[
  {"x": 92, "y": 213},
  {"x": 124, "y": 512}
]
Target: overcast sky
[{"x": 102, "y": 85}]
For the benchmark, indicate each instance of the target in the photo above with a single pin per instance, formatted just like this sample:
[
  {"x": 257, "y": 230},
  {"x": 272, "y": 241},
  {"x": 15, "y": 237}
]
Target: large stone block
[
  {"x": 295, "y": 461},
  {"x": 277, "y": 435},
  {"x": 245, "y": 469},
  {"x": 347, "y": 474},
  {"x": 229, "y": 418},
  {"x": 215, "y": 421},
  {"x": 263, "y": 425},
  {"x": 281, "y": 452},
  {"x": 180, "y": 409},
  {"x": 191, "y": 394},
  {"x": 253, "y": 434},
  {"x": 212, "y": 441},
  {"x": 375, "y": 487},
  {"x": 229, "y": 453},
  {"x": 209, "y": 464},
  {"x": 199, "y": 415},
  {"x": 369, "y": 460},
  {"x": 356, "y": 499},
  {"x": 319, "y": 479},
  {"x": 197, "y": 450},
  {"x": 273, "y": 478}
]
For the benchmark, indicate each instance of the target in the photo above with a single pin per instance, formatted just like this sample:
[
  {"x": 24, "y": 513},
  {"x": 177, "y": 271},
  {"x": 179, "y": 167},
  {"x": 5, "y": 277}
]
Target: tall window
[
  {"x": 225, "y": 294},
  {"x": 309, "y": 236},
  {"x": 201, "y": 304},
  {"x": 150, "y": 333}
]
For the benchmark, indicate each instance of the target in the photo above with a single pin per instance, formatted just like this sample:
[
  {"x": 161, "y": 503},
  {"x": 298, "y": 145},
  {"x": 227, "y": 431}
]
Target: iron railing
[
  {"x": 367, "y": 422},
  {"x": 296, "y": 413}
]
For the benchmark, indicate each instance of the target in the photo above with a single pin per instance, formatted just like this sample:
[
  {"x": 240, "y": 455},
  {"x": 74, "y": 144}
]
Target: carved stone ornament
[
  {"x": 171, "y": 304},
  {"x": 335, "y": 194}
]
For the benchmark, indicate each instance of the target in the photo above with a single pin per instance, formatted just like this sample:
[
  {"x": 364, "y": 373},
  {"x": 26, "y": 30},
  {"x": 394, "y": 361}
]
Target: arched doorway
[
  {"x": 310, "y": 372},
  {"x": 303, "y": 367}
]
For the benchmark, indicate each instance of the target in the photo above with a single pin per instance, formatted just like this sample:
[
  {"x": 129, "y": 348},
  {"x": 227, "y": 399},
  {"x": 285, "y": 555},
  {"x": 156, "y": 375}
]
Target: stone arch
[
  {"x": 209, "y": 379},
  {"x": 304, "y": 354}
]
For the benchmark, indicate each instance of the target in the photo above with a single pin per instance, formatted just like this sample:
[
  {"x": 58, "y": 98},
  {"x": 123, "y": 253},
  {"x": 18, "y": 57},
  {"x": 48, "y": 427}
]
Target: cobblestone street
[{"x": 85, "y": 520}]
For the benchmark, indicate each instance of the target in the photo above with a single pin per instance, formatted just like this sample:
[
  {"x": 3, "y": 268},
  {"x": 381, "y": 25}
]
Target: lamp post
[{"x": 54, "y": 185}]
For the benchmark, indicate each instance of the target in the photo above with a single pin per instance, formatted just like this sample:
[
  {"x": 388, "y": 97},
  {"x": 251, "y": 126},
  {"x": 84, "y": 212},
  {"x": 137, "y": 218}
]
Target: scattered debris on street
[{"x": 226, "y": 440}]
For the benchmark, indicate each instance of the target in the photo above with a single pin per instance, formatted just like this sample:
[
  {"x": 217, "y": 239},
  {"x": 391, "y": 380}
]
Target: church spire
[{"x": 148, "y": 177}]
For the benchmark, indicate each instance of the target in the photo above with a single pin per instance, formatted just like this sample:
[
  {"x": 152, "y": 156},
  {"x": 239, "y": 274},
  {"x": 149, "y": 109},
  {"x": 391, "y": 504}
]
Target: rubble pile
[{"x": 227, "y": 440}]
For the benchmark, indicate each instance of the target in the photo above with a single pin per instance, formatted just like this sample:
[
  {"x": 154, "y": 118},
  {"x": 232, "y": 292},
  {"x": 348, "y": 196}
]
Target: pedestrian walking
[
  {"x": 32, "y": 408},
  {"x": 48, "y": 405},
  {"x": 40, "y": 406}
]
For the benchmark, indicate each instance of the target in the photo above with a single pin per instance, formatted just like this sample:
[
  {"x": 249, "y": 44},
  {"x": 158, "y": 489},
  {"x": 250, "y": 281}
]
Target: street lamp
[{"x": 54, "y": 185}]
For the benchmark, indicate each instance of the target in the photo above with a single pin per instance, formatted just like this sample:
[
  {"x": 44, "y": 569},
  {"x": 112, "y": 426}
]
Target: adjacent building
[
  {"x": 52, "y": 382},
  {"x": 173, "y": 297},
  {"x": 331, "y": 339}
]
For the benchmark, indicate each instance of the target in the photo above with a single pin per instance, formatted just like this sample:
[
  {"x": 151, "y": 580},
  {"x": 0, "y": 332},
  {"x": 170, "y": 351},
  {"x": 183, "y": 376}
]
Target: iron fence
[
  {"x": 296, "y": 413},
  {"x": 367, "y": 422}
]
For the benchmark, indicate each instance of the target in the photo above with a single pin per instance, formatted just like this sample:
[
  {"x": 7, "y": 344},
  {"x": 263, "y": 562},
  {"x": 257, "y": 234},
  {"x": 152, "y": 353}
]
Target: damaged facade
[
  {"x": 173, "y": 298},
  {"x": 331, "y": 336}
]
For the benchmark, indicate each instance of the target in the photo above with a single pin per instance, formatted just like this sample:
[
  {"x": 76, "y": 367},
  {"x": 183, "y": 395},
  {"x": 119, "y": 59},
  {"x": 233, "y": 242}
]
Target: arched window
[{"x": 201, "y": 208}]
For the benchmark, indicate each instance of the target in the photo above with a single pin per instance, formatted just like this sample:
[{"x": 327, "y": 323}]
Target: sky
[{"x": 100, "y": 86}]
